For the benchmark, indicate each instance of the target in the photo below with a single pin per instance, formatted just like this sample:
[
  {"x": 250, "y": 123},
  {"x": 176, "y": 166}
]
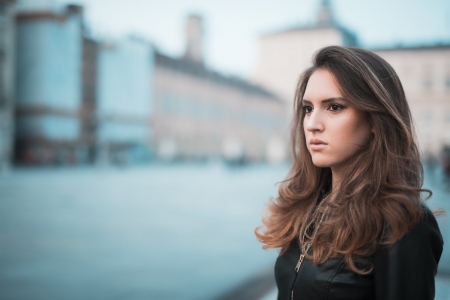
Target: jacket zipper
[{"x": 297, "y": 270}]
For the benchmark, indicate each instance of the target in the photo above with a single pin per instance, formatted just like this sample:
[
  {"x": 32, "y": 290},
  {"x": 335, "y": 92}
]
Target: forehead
[{"x": 321, "y": 85}]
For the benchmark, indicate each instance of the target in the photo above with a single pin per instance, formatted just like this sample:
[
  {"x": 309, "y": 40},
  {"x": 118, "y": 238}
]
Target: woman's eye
[
  {"x": 307, "y": 109},
  {"x": 335, "y": 107}
]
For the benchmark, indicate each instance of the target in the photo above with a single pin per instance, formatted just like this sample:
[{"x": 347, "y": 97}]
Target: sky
[{"x": 232, "y": 27}]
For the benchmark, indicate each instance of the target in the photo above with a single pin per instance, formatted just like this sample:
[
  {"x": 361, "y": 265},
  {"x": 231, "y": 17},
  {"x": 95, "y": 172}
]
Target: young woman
[{"x": 349, "y": 219}]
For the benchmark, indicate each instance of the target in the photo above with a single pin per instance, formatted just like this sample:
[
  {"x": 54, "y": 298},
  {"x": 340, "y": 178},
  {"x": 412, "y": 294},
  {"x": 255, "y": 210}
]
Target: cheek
[
  {"x": 362, "y": 135},
  {"x": 352, "y": 133}
]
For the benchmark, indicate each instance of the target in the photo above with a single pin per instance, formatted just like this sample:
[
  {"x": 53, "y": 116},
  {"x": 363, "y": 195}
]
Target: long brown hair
[{"x": 380, "y": 200}]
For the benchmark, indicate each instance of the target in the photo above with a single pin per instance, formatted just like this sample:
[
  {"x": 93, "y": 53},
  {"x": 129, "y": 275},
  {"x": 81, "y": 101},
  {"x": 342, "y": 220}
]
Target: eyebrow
[{"x": 325, "y": 100}]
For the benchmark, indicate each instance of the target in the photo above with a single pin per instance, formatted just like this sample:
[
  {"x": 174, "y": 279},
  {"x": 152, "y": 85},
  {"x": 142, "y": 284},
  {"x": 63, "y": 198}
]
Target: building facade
[
  {"x": 49, "y": 86},
  {"x": 200, "y": 114},
  {"x": 7, "y": 52},
  {"x": 124, "y": 101},
  {"x": 79, "y": 100}
]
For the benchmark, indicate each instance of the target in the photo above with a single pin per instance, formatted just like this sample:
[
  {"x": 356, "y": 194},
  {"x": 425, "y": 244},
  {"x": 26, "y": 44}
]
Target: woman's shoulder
[
  {"x": 406, "y": 268},
  {"x": 428, "y": 225},
  {"x": 424, "y": 237}
]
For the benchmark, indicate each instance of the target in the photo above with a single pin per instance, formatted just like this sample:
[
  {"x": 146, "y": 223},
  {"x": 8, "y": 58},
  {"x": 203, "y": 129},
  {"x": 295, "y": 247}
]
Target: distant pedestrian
[{"x": 349, "y": 218}]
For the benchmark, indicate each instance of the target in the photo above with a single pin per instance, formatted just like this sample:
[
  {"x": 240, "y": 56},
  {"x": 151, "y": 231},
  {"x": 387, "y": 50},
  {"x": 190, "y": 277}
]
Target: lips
[{"x": 316, "y": 144}]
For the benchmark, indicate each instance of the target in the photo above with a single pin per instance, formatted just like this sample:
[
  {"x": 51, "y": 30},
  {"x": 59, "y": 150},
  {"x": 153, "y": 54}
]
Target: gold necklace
[
  {"x": 305, "y": 233},
  {"x": 308, "y": 245},
  {"x": 311, "y": 238}
]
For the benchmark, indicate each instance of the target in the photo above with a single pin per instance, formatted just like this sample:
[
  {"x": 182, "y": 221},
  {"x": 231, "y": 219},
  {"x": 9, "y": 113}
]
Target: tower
[
  {"x": 284, "y": 55},
  {"x": 194, "y": 39},
  {"x": 325, "y": 15}
]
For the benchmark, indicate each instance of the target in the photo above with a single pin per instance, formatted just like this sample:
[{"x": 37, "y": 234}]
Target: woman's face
[{"x": 334, "y": 129}]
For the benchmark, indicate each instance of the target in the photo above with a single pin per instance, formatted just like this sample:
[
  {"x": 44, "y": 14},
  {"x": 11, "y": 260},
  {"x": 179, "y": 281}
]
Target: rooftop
[
  {"x": 325, "y": 20},
  {"x": 196, "y": 69},
  {"x": 417, "y": 47}
]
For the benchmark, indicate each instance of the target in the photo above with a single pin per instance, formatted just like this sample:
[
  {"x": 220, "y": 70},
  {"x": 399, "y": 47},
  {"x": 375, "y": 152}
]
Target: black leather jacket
[{"x": 406, "y": 270}]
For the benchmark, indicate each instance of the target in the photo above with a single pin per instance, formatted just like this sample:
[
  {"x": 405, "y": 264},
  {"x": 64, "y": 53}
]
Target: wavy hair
[{"x": 379, "y": 202}]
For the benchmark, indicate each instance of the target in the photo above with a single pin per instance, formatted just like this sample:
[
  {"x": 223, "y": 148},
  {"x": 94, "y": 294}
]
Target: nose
[{"x": 313, "y": 122}]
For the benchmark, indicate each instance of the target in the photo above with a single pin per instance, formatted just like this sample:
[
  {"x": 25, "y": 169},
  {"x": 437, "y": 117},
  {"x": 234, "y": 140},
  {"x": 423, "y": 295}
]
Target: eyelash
[
  {"x": 338, "y": 107},
  {"x": 305, "y": 109}
]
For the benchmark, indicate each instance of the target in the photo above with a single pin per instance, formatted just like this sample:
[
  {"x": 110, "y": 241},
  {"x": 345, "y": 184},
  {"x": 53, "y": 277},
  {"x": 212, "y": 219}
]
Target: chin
[{"x": 321, "y": 163}]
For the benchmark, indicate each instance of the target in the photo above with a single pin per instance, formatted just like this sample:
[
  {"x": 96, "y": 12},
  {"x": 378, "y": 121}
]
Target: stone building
[
  {"x": 423, "y": 70},
  {"x": 201, "y": 114},
  {"x": 7, "y": 51}
]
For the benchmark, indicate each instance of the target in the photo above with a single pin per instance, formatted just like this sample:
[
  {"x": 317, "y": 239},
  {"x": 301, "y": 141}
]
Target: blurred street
[
  {"x": 155, "y": 232},
  {"x": 172, "y": 232}
]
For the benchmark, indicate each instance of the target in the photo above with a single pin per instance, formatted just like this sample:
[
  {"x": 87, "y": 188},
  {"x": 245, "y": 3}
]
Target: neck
[{"x": 335, "y": 182}]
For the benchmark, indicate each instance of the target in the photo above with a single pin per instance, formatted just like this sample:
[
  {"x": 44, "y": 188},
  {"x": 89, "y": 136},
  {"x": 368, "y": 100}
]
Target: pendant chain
[
  {"x": 316, "y": 229},
  {"x": 308, "y": 245}
]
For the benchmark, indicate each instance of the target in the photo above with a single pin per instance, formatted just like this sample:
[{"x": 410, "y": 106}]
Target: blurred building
[
  {"x": 423, "y": 70},
  {"x": 425, "y": 75},
  {"x": 283, "y": 55},
  {"x": 124, "y": 92},
  {"x": 7, "y": 51},
  {"x": 201, "y": 114},
  {"x": 79, "y": 100},
  {"x": 49, "y": 86}
]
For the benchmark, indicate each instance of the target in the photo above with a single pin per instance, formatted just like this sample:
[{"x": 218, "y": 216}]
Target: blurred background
[{"x": 140, "y": 140}]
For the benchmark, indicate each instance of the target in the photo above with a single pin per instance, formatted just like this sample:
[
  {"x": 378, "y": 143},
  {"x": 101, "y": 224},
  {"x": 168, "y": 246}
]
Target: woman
[{"x": 349, "y": 219}]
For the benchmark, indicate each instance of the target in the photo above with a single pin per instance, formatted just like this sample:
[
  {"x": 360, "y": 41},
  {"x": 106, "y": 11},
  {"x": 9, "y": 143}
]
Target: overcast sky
[{"x": 232, "y": 27}]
